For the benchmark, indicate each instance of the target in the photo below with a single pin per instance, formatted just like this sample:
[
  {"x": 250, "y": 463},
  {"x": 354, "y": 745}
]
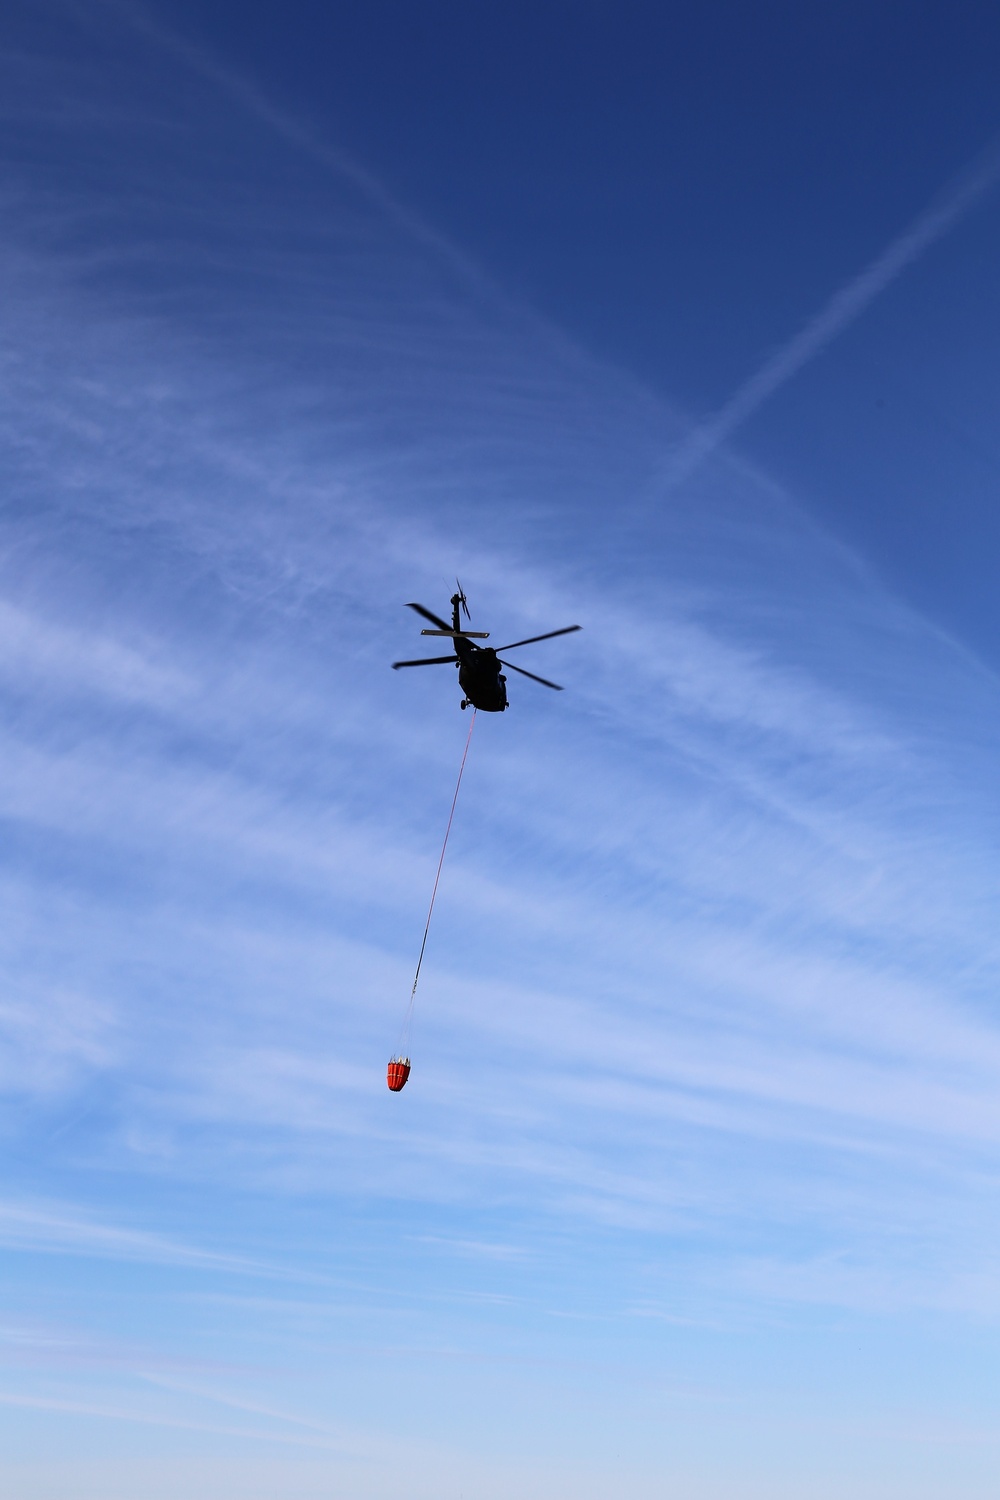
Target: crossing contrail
[{"x": 839, "y": 313}]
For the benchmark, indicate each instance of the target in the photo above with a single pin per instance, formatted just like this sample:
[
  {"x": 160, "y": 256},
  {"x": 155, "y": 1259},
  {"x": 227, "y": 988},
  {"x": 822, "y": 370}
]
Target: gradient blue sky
[{"x": 679, "y": 322}]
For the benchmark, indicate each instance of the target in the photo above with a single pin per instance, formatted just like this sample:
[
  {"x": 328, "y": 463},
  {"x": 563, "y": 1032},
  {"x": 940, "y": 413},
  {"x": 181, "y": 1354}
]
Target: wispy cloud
[
  {"x": 36, "y": 649},
  {"x": 758, "y": 795},
  {"x": 715, "y": 956},
  {"x": 25, "y": 1226},
  {"x": 120, "y": 1412}
]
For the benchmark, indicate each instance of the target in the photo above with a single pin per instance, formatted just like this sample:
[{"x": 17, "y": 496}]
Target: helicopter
[{"x": 479, "y": 674}]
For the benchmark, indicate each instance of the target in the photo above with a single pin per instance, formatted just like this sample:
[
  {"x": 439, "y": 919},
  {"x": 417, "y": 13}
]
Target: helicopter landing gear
[{"x": 465, "y": 702}]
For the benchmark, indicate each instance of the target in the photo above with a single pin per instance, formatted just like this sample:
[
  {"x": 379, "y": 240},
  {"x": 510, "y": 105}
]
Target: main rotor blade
[
  {"x": 434, "y": 619},
  {"x": 543, "y": 680},
  {"x": 566, "y": 630},
  {"x": 424, "y": 661}
]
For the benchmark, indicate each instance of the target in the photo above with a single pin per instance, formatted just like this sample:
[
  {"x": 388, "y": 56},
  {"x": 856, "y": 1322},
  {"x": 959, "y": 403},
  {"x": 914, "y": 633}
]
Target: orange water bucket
[{"x": 398, "y": 1072}]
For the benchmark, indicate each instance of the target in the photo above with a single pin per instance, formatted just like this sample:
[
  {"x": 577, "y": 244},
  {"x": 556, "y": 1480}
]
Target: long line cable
[{"x": 404, "y": 1036}]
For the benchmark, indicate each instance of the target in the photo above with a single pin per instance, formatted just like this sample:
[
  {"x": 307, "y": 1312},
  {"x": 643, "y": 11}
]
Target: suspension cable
[{"x": 404, "y": 1036}]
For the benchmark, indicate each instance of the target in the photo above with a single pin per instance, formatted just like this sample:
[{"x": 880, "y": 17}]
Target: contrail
[
  {"x": 252, "y": 99},
  {"x": 838, "y": 314},
  {"x": 301, "y": 136}
]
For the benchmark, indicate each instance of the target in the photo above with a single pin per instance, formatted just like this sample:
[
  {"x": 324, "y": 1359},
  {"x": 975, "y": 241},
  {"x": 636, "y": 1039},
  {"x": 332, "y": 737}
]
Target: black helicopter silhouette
[{"x": 479, "y": 674}]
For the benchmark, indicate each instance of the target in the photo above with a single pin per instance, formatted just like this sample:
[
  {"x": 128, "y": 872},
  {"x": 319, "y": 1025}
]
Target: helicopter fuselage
[{"x": 480, "y": 677}]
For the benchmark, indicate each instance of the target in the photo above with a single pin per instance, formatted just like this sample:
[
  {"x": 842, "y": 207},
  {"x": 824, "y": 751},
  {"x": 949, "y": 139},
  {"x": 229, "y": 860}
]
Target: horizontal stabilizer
[{"x": 480, "y": 635}]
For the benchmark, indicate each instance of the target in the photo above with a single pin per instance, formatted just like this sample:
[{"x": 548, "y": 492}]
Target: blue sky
[{"x": 678, "y": 324}]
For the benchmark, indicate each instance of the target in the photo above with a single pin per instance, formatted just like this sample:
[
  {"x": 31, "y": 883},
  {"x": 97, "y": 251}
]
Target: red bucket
[{"x": 398, "y": 1072}]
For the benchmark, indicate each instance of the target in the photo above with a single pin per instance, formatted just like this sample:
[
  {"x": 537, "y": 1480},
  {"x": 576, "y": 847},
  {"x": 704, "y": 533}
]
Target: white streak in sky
[
  {"x": 839, "y": 313},
  {"x": 299, "y": 136},
  {"x": 312, "y": 144}
]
